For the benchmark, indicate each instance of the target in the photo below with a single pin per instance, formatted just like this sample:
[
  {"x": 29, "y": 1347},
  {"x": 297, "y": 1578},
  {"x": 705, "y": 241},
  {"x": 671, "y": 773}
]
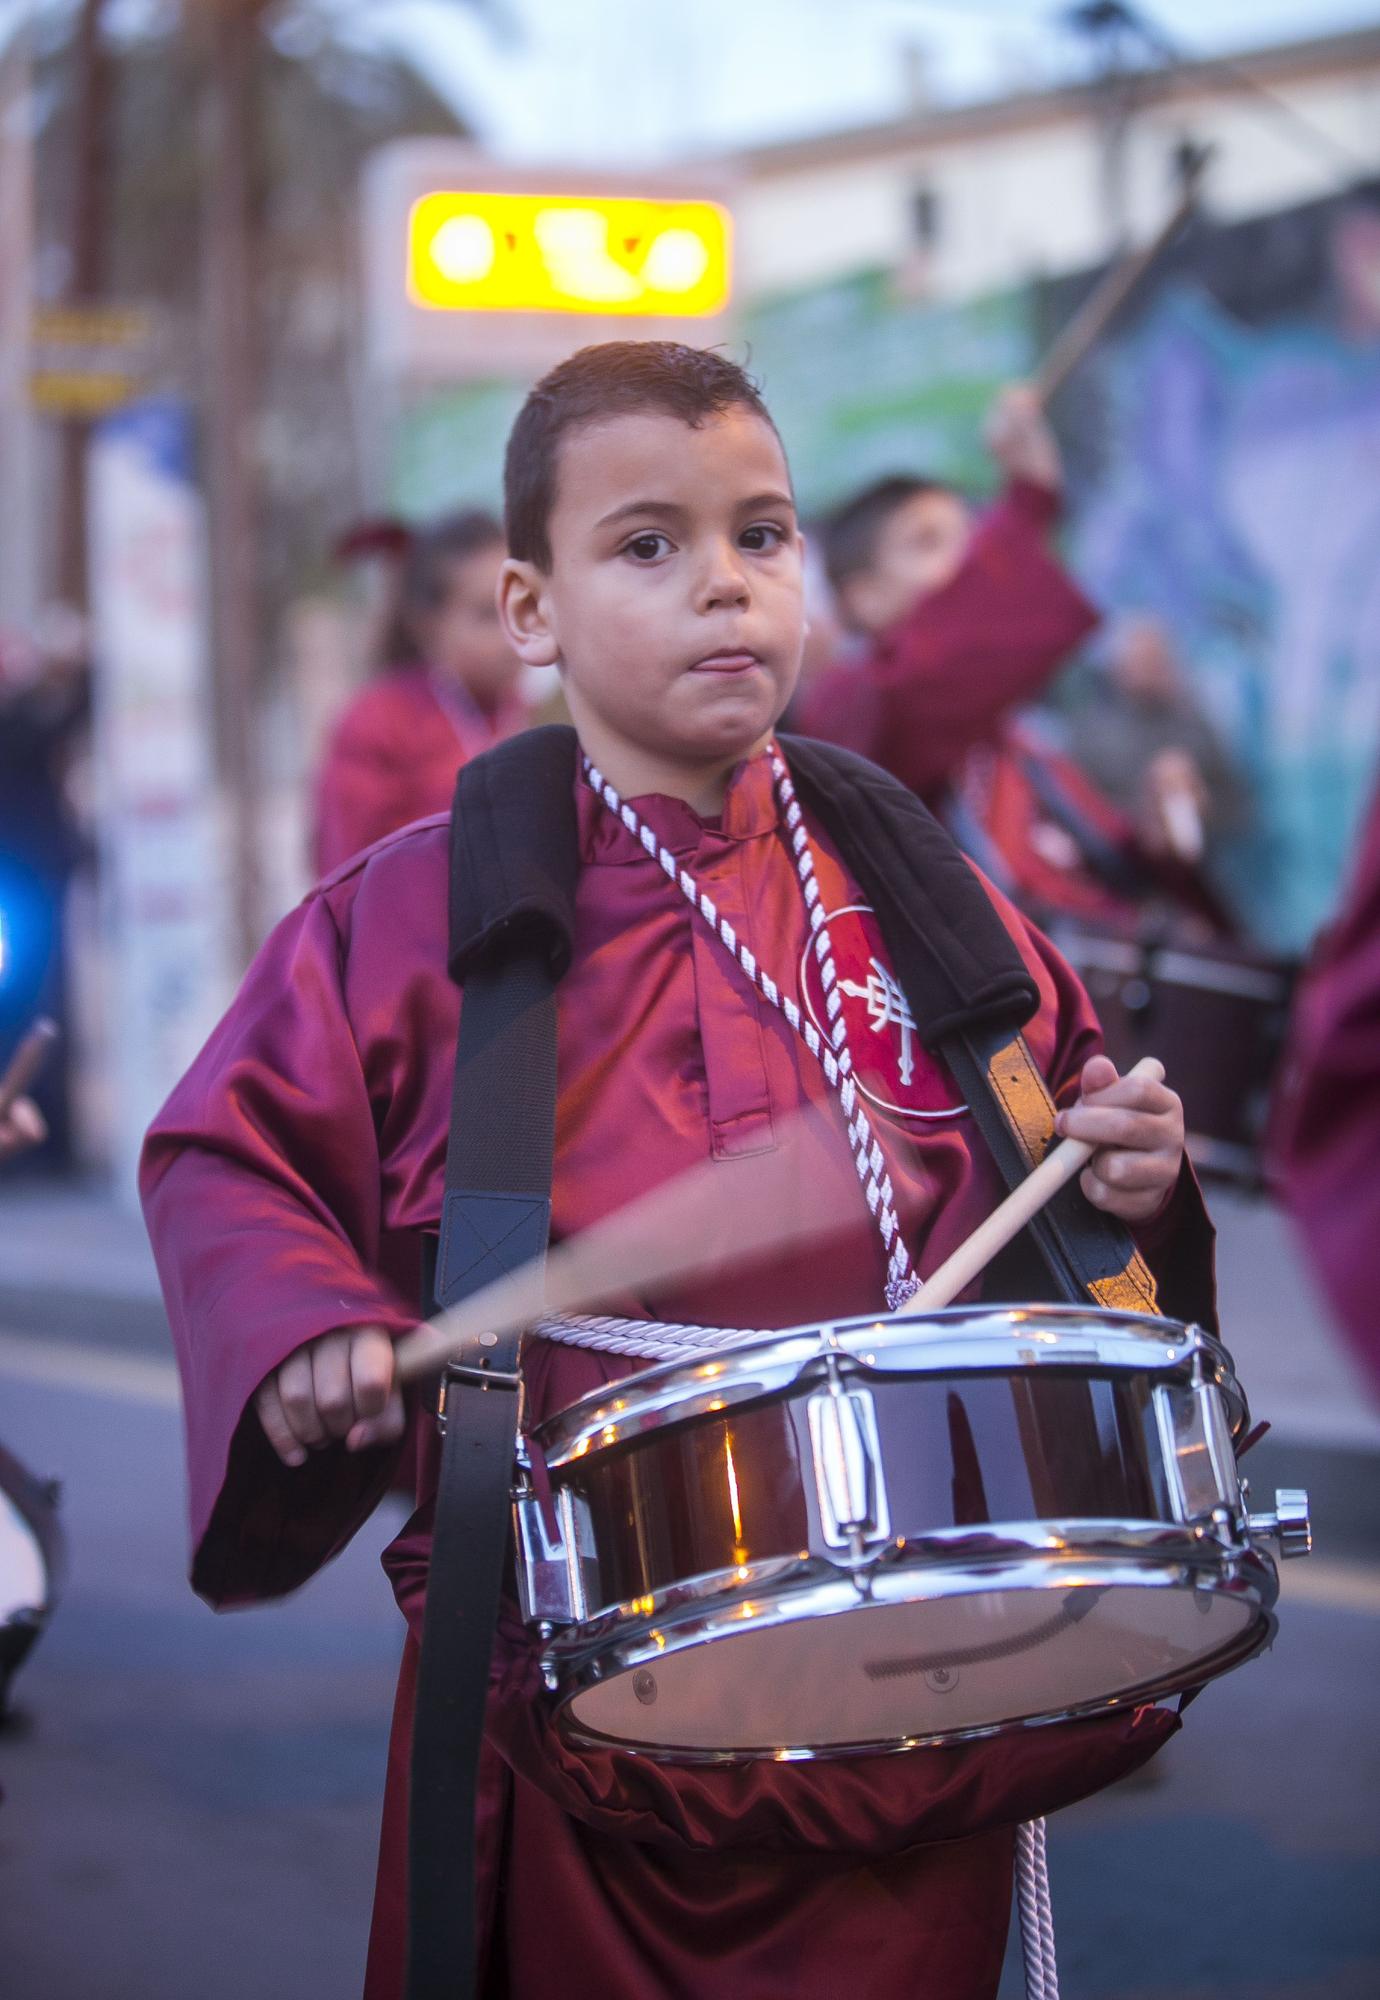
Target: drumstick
[
  {"x": 26, "y": 1062},
  {"x": 701, "y": 1220},
  {"x": 976, "y": 1252},
  {"x": 1104, "y": 302}
]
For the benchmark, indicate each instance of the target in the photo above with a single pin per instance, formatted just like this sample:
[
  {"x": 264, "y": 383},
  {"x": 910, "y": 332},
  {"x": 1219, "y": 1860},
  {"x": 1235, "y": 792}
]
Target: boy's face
[
  {"x": 674, "y": 603},
  {"x": 463, "y": 638},
  {"x": 920, "y": 549}
]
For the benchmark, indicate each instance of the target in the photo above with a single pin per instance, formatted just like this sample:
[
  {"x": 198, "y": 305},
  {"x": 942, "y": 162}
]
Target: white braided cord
[
  {"x": 655, "y": 1340},
  {"x": 833, "y": 1054},
  {"x": 1036, "y": 1913},
  {"x": 643, "y": 1339}
]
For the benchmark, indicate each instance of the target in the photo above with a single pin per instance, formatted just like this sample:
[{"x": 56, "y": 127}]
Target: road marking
[
  {"x": 96, "y": 1371},
  {"x": 1339, "y": 1586}
]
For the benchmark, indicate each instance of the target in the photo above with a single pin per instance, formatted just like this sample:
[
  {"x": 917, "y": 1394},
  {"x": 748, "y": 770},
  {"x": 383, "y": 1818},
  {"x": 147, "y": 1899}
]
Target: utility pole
[
  {"x": 19, "y": 541},
  {"x": 1113, "y": 33},
  {"x": 229, "y": 35},
  {"x": 88, "y": 241}
]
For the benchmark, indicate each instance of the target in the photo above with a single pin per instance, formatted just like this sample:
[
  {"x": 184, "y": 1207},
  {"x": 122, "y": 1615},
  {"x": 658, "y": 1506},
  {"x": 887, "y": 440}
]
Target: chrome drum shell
[{"x": 865, "y": 1536}]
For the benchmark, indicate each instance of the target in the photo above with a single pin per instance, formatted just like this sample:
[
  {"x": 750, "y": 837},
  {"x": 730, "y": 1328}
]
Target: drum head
[
  {"x": 23, "y": 1573},
  {"x": 825, "y": 1677}
]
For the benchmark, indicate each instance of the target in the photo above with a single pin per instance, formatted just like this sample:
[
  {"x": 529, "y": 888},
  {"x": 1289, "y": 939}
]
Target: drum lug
[
  {"x": 1290, "y": 1526},
  {"x": 853, "y": 1508},
  {"x": 1200, "y": 1462},
  {"x": 556, "y": 1575}
]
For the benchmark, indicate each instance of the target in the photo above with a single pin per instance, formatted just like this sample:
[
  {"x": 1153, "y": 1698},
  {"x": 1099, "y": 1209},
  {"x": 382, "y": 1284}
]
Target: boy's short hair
[
  {"x": 852, "y": 532},
  {"x": 614, "y": 379}
]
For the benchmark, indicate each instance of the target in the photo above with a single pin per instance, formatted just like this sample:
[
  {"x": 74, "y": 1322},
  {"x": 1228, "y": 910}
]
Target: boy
[
  {"x": 966, "y": 621},
  {"x": 654, "y": 555}
]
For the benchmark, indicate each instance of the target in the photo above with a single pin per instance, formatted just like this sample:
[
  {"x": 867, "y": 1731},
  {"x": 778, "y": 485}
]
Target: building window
[
  {"x": 924, "y": 218},
  {"x": 1186, "y": 162}
]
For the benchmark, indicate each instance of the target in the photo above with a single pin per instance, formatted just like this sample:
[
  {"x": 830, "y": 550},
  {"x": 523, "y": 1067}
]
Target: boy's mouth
[{"x": 728, "y": 662}]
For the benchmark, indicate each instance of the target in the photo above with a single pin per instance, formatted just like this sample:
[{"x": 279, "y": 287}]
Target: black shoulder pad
[{"x": 514, "y": 852}]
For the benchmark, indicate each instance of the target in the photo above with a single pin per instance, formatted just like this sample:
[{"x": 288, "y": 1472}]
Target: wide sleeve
[
  {"x": 941, "y": 679},
  {"x": 260, "y": 1183}
]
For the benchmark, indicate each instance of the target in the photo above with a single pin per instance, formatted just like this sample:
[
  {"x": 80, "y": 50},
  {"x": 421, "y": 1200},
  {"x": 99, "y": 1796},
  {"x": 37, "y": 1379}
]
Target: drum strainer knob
[{"x": 1289, "y": 1525}]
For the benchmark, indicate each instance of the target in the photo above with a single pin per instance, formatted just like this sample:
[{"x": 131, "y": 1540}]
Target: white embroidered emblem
[
  {"x": 887, "y": 1006},
  {"x": 890, "y": 1068}
]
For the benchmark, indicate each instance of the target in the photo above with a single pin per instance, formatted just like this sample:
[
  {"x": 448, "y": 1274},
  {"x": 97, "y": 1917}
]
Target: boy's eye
[
  {"x": 646, "y": 548},
  {"x": 763, "y": 535}
]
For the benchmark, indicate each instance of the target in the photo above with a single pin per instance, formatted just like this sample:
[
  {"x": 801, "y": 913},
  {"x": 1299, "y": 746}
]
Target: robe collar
[{"x": 750, "y": 810}]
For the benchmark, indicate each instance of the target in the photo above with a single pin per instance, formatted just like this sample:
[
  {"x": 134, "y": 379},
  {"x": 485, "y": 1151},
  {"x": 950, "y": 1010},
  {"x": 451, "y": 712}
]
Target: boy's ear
[{"x": 525, "y": 611}]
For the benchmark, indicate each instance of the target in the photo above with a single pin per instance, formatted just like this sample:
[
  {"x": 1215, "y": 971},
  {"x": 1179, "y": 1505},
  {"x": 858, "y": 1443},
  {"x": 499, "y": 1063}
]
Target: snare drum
[
  {"x": 32, "y": 1555},
  {"x": 1214, "y": 1013},
  {"x": 884, "y": 1533}
]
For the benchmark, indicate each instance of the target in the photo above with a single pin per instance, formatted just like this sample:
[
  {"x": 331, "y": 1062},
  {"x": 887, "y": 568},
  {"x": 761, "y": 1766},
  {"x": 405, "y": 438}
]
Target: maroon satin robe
[
  {"x": 1327, "y": 1124},
  {"x": 288, "y": 1184},
  {"x": 393, "y": 757}
]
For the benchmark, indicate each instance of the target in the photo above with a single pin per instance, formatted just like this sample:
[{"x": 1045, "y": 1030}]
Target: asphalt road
[{"x": 191, "y": 1806}]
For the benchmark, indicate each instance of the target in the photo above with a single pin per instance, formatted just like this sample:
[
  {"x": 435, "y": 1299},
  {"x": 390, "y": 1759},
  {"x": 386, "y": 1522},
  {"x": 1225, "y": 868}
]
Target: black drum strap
[{"x": 496, "y": 1217}]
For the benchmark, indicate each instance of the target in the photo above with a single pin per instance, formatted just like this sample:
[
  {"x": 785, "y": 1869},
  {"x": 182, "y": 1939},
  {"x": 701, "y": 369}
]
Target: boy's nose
[{"x": 724, "y": 583}]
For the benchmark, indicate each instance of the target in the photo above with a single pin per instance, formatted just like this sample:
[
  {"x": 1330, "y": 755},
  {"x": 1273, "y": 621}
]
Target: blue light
[{"x": 29, "y": 911}]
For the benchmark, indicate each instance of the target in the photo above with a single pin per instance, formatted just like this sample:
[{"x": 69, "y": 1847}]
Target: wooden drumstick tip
[{"x": 26, "y": 1062}]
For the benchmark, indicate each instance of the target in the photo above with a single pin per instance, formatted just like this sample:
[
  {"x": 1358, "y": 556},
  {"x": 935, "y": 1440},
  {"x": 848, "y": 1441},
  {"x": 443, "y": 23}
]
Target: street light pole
[
  {"x": 87, "y": 249},
  {"x": 229, "y": 35},
  {"x": 19, "y": 542}
]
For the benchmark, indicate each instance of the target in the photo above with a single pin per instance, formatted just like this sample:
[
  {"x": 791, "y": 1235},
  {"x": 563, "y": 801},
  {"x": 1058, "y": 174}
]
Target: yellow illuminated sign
[{"x": 566, "y": 253}]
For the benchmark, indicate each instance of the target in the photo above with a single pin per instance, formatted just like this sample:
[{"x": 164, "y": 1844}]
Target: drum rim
[
  {"x": 1239, "y": 1572},
  {"x": 997, "y": 1339}
]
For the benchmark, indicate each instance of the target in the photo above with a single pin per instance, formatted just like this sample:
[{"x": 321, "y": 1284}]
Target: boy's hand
[
  {"x": 1138, "y": 1129},
  {"x": 340, "y": 1386},
  {"x": 21, "y": 1126},
  {"x": 1020, "y": 439}
]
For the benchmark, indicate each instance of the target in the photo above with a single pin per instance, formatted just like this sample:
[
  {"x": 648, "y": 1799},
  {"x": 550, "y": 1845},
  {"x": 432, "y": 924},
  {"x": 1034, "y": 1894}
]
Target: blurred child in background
[{"x": 446, "y": 689}]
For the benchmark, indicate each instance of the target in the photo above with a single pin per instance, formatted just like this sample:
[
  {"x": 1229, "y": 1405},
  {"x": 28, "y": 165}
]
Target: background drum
[
  {"x": 1215, "y": 1013},
  {"x": 31, "y": 1563}
]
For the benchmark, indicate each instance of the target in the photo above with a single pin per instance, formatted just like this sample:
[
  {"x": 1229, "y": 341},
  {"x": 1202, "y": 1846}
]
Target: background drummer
[
  {"x": 965, "y": 620},
  {"x": 291, "y": 1179}
]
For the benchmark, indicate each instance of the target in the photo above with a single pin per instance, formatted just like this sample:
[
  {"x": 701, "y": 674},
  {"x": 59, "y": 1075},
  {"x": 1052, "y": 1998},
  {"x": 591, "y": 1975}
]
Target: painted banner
[
  {"x": 863, "y": 381},
  {"x": 162, "y": 865},
  {"x": 1224, "y": 462}
]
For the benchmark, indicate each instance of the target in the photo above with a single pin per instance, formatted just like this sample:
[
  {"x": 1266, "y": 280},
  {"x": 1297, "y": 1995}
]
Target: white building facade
[{"x": 967, "y": 200}]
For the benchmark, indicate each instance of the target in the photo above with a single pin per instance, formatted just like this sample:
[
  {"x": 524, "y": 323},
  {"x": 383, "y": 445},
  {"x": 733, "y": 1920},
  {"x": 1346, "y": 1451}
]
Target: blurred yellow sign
[
  {"x": 568, "y": 254},
  {"x": 79, "y": 392}
]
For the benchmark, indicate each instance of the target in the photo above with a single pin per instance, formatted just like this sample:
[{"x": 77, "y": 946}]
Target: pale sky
[{"x": 625, "y": 80}]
